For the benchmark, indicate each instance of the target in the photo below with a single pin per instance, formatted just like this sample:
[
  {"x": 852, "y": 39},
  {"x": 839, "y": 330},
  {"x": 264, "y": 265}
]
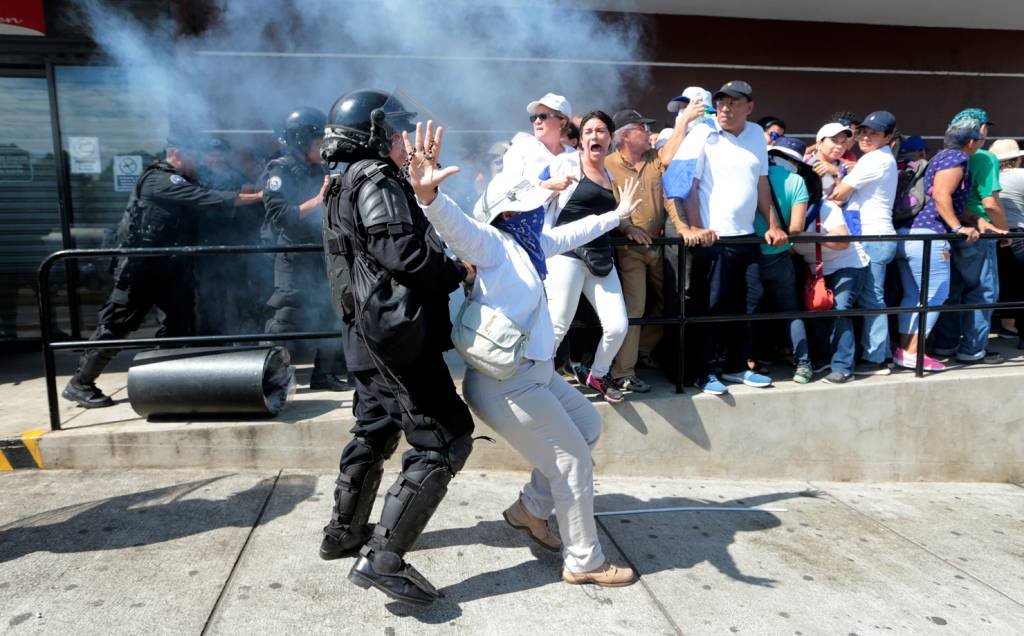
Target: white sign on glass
[{"x": 84, "y": 155}]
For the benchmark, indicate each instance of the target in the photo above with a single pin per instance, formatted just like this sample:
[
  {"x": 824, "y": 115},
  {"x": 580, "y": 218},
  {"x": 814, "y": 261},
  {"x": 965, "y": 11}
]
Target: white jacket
[
  {"x": 505, "y": 278},
  {"x": 528, "y": 157}
]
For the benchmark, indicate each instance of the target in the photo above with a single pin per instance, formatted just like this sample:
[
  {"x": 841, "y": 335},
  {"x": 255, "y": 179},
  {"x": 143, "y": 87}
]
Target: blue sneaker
[
  {"x": 712, "y": 385},
  {"x": 748, "y": 377}
]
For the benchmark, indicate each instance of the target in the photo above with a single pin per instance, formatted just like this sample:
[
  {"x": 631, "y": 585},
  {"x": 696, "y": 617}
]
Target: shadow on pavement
[
  {"x": 671, "y": 544},
  {"x": 148, "y": 517},
  {"x": 681, "y": 540}
]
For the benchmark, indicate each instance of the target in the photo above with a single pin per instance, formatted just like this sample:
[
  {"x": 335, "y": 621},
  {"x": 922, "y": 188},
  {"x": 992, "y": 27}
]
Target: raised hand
[
  {"x": 425, "y": 173},
  {"x": 627, "y": 202}
]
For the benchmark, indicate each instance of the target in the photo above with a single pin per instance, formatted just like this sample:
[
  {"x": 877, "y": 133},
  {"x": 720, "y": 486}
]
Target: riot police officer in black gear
[
  {"x": 163, "y": 211},
  {"x": 293, "y": 187},
  {"x": 372, "y": 207}
]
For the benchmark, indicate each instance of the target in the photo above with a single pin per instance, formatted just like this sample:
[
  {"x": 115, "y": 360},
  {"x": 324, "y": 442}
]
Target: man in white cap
[{"x": 690, "y": 107}]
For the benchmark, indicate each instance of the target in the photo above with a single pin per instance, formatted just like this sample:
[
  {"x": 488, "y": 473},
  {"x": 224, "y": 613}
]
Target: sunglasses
[{"x": 543, "y": 117}]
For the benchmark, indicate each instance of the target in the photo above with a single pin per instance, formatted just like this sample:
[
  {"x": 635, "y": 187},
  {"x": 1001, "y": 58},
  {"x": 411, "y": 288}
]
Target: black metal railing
[{"x": 679, "y": 321}]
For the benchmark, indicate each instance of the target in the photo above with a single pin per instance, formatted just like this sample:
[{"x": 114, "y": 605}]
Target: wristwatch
[{"x": 957, "y": 229}]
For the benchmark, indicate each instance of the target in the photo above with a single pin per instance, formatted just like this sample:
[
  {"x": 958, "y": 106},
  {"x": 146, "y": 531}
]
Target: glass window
[
  {"x": 29, "y": 208},
  {"x": 109, "y": 132}
]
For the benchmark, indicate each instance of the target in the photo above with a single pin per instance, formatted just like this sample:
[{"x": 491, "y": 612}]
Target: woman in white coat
[
  {"x": 535, "y": 410},
  {"x": 530, "y": 155}
]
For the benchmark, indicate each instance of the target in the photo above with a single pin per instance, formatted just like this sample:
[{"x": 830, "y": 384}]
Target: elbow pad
[{"x": 384, "y": 207}]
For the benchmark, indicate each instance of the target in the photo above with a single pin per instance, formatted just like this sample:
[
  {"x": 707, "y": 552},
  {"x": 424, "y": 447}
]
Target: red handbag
[{"x": 817, "y": 295}]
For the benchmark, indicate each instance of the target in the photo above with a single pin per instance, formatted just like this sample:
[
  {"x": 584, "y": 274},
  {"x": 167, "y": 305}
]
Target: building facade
[{"x": 75, "y": 127}]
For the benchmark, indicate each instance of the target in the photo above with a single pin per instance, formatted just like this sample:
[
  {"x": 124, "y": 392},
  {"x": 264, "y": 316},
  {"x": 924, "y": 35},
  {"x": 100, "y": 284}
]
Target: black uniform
[
  {"x": 231, "y": 288},
  {"x": 163, "y": 211},
  {"x": 419, "y": 400},
  {"x": 301, "y": 297}
]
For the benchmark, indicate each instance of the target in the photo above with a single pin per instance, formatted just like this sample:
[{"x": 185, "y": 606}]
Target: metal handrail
[{"x": 680, "y": 321}]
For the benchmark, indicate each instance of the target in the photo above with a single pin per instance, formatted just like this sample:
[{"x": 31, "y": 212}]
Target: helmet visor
[{"x": 402, "y": 111}]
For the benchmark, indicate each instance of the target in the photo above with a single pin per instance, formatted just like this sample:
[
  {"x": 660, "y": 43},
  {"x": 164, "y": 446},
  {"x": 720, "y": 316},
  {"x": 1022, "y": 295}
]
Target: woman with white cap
[
  {"x": 535, "y": 410},
  {"x": 1011, "y": 256},
  {"x": 529, "y": 155},
  {"x": 826, "y": 159}
]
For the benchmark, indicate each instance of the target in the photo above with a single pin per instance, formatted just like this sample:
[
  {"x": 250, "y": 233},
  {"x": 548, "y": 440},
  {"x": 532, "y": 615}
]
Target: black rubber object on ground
[{"x": 211, "y": 381}]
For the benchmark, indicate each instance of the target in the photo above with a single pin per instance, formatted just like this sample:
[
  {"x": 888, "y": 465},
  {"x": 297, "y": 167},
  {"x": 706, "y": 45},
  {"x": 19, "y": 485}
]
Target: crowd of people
[
  {"x": 717, "y": 174},
  {"x": 713, "y": 174},
  {"x": 533, "y": 243}
]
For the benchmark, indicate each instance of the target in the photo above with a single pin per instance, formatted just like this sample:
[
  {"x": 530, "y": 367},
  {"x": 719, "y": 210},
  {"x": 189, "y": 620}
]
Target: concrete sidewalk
[
  {"x": 893, "y": 428},
  {"x": 188, "y": 552}
]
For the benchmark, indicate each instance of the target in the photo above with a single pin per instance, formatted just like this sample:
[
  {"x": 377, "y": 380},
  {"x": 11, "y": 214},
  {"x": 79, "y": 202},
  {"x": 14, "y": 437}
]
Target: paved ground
[{"x": 186, "y": 552}]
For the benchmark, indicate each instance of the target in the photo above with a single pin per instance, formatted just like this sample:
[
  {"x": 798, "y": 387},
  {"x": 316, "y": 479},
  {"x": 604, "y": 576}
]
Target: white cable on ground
[{"x": 644, "y": 511}]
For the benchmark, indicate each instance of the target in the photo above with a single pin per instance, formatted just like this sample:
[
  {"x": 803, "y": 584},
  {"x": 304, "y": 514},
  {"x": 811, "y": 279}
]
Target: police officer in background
[
  {"x": 372, "y": 208},
  {"x": 230, "y": 288},
  {"x": 163, "y": 211},
  {"x": 293, "y": 188}
]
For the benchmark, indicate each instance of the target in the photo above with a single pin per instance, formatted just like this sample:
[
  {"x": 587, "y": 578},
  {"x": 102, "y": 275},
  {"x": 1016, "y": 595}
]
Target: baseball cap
[
  {"x": 508, "y": 192},
  {"x": 629, "y": 116},
  {"x": 691, "y": 93},
  {"x": 791, "y": 147},
  {"x": 881, "y": 120},
  {"x": 976, "y": 114},
  {"x": 1005, "y": 149},
  {"x": 913, "y": 143},
  {"x": 832, "y": 129},
  {"x": 552, "y": 101},
  {"x": 735, "y": 88}
]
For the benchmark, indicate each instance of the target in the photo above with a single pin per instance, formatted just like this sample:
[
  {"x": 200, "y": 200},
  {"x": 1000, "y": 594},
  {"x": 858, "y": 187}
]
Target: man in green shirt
[
  {"x": 974, "y": 276},
  {"x": 772, "y": 282}
]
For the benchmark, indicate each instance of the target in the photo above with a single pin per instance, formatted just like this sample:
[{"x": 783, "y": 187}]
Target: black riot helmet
[
  {"x": 302, "y": 126},
  {"x": 361, "y": 124}
]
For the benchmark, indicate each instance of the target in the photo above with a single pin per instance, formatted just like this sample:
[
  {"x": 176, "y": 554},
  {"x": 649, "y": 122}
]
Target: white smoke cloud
[{"x": 473, "y": 67}]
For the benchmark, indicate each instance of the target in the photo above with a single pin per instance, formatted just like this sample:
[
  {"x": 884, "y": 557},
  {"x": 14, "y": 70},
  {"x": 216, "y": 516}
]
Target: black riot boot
[
  {"x": 82, "y": 387},
  {"x": 324, "y": 378},
  {"x": 409, "y": 504},
  {"x": 348, "y": 530}
]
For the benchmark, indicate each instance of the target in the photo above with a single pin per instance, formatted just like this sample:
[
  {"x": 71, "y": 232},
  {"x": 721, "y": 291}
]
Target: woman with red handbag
[{"x": 836, "y": 270}]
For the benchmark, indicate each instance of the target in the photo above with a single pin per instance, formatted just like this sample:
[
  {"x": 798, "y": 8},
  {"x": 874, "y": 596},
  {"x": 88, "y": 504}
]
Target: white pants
[
  {"x": 567, "y": 278},
  {"x": 553, "y": 426}
]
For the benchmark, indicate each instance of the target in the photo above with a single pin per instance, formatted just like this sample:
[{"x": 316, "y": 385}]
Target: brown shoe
[
  {"x": 608, "y": 575},
  {"x": 518, "y": 516}
]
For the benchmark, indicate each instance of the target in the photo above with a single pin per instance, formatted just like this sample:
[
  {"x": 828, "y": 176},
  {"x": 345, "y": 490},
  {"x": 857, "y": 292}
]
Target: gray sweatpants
[{"x": 553, "y": 426}]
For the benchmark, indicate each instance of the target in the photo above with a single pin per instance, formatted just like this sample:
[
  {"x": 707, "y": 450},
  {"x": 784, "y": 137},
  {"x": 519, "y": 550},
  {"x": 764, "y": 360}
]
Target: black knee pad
[{"x": 458, "y": 452}]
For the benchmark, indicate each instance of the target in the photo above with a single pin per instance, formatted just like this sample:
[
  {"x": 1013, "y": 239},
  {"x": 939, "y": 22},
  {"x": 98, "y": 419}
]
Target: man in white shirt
[
  {"x": 730, "y": 186},
  {"x": 869, "y": 191}
]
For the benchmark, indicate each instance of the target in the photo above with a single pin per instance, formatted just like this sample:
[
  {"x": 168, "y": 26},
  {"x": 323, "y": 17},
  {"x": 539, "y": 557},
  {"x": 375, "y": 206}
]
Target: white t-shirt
[
  {"x": 729, "y": 168},
  {"x": 832, "y": 260},
  {"x": 1012, "y": 196},
  {"x": 874, "y": 179}
]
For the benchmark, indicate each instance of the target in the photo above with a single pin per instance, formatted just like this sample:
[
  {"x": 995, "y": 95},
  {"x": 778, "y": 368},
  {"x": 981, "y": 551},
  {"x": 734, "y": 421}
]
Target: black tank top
[{"x": 589, "y": 198}]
